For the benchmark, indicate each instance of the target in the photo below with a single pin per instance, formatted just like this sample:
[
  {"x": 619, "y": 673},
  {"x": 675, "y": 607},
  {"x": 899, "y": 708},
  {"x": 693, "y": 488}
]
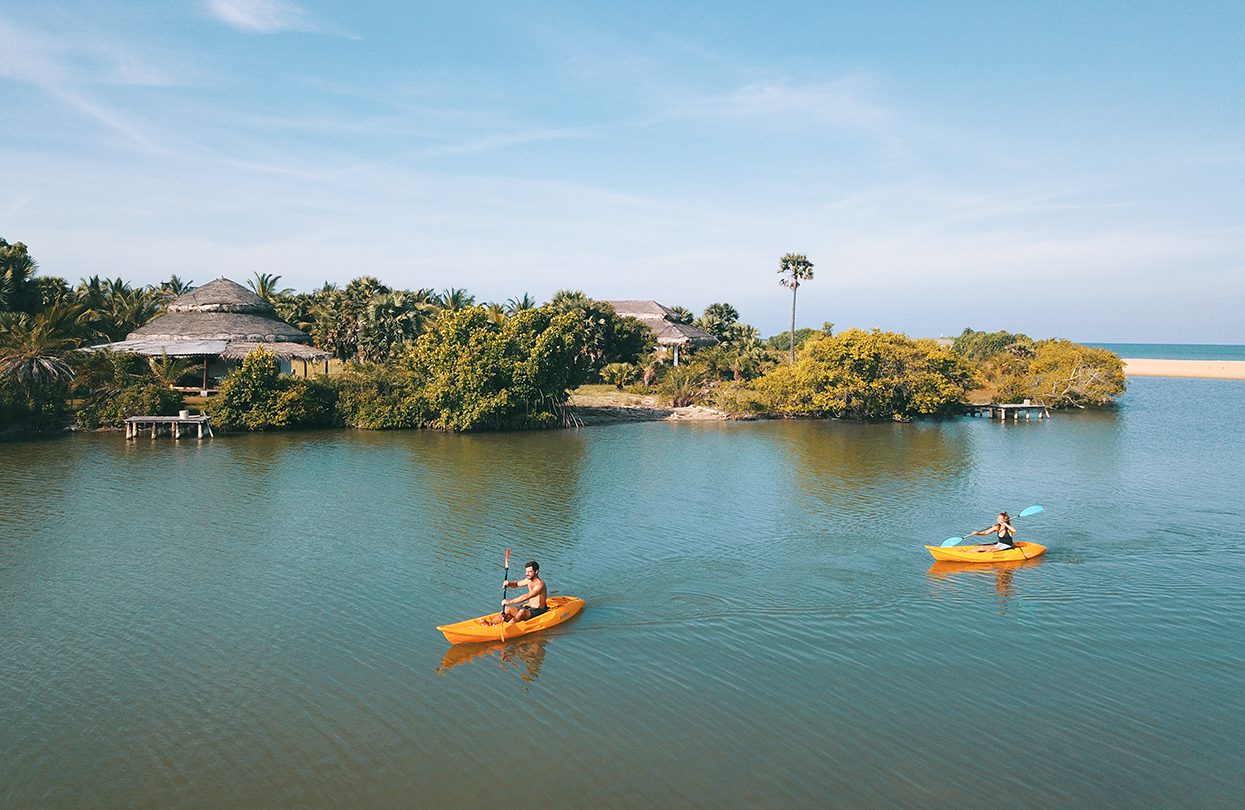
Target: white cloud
[{"x": 262, "y": 16}]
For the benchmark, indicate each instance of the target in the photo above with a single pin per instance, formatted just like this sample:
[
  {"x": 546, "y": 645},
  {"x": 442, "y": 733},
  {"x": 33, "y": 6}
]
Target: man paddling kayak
[
  {"x": 1005, "y": 531},
  {"x": 536, "y": 598}
]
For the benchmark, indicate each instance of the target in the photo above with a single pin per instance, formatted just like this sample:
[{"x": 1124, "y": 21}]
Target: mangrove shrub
[
  {"x": 257, "y": 396},
  {"x": 472, "y": 373},
  {"x": 867, "y": 375}
]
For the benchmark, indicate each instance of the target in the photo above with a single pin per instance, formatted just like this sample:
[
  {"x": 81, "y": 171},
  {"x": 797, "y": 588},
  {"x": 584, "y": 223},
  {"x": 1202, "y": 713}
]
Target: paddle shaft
[{"x": 505, "y": 578}]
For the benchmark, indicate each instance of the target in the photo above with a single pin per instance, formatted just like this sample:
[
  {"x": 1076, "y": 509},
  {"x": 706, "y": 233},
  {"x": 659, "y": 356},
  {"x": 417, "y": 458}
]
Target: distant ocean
[{"x": 1175, "y": 351}]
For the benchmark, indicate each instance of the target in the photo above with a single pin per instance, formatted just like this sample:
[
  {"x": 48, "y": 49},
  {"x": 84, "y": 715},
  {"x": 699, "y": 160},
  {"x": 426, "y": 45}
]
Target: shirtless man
[{"x": 536, "y": 598}]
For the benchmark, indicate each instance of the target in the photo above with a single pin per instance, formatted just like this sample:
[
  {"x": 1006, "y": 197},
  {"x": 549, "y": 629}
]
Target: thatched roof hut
[
  {"x": 222, "y": 320},
  {"x": 664, "y": 324}
]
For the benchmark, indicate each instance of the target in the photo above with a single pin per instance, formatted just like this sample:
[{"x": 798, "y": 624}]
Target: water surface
[{"x": 250, "y": 620}]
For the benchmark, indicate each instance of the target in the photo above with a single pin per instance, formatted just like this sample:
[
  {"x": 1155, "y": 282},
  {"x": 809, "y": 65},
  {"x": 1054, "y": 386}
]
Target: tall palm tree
[
  {"x": 265, "y": 286},
  {"x": 794, "y": 269}
]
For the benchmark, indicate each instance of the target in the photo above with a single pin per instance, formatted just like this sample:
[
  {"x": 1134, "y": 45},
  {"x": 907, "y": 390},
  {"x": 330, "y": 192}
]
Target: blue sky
[{"x": 1074, "y": 170}]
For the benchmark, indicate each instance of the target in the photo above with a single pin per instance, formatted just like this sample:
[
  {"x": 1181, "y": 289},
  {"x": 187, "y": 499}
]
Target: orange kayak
[
  {"x": 561, "y": 608},
  {"x": 969, "y": 554}
]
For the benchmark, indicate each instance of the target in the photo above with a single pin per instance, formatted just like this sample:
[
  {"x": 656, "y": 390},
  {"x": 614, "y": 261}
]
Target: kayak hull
[
  {"x": 968, "y": 554},
  {"x": 471, "y": 631}
]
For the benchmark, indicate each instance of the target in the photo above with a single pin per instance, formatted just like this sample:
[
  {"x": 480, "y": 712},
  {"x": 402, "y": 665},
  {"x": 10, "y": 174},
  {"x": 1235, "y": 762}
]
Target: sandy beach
[{"x": 1204, "y": 369}]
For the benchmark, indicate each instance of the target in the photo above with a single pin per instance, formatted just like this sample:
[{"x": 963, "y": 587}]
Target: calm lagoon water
[{"x": 250, "y": 620}]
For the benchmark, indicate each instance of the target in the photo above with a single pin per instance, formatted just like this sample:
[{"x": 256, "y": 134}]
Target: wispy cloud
[
  {"x": 503, "y": 140},
  {"x": 845, "y": 103},
  {"x": 270, "y": 17},
  {"x": 262, "y": 16},
  {"x": 51, "y": 66}
]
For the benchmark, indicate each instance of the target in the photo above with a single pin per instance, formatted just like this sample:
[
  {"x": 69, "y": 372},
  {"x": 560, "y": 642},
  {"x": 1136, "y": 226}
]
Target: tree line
[{"x": 438, "y": 359}]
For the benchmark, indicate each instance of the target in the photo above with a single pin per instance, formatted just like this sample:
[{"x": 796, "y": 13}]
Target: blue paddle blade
[
  {"x": 1032, "y": 510},
  {"x": 951, "y": 541}
]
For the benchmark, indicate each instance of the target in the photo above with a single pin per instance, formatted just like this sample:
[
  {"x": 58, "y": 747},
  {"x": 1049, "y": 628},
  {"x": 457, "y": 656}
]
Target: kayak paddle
[
  {"x": 951, "y": 541},
  {"x": 505, "y": 578}
]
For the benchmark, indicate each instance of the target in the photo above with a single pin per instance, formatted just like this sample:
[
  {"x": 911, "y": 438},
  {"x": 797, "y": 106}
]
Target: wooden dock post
[{"x": 173, "y": 425}]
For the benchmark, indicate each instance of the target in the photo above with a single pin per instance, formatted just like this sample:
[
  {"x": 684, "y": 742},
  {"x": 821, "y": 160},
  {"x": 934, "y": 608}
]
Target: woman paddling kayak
[{"x": 1004, "y": 531}]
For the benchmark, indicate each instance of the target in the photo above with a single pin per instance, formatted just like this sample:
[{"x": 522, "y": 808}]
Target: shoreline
[{"x": 1186, "y": 369}]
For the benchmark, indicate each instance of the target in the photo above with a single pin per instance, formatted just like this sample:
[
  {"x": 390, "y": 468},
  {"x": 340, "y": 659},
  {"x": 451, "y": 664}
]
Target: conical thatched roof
[
  {"x": 222, "y": 295},
  {"x": 221, "y": 318},
  {"x": 221, "y": 310}
]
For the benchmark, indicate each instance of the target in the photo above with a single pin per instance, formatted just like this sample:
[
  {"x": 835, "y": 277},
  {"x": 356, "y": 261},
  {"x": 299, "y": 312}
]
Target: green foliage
[
  {"x": 1063, "y": 374},
  {"x": 248, "y": 396},
  {"x": 257, "y": 396},
  {"x": 782, "y": 341},
  {"x": 607, "y": 337},
  {"x": 685, "y": 385},
  {"x": 471, "y": 373},
  {"x": 682, "y": 315},
  {"x": 307, "y": 402},
  {"x": 390, "y": 321},
  {"x": 620, "y": 374},
  {"x": 737, "y": 399},
  {"x": 867, "y": 375},
  {"x": 115, "y": 386},
  {"x": 377, "y": 397},
  {"x": 984, "y": 345},
  {"x": 19, "y": 289}
]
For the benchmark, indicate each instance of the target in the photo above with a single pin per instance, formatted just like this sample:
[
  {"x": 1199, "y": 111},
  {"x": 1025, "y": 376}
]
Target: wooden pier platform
[
  {"x": 172, "y": 425},
  {"x": 1014, "y": 410}
]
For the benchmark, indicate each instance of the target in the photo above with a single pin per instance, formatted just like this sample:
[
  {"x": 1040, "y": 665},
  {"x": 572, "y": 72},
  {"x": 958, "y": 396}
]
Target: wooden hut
[
  {"x": 220, "y": 323},
  {"x": 671, "y": 335}
]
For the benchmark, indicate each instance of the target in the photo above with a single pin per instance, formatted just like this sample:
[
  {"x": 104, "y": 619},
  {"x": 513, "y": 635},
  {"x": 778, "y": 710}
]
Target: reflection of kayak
[
  {"x": 561, "y": 608},
  {"x": 943, "y": 568},
  {"x": 969, "y": 554},
  {"x": 523, "y": 656}
]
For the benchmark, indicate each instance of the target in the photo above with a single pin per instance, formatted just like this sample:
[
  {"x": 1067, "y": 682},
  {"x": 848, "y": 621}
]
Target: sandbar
[{"x": 1200, "y": 369}]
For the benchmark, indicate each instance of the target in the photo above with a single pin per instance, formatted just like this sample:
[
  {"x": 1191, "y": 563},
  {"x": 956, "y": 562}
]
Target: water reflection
[
  {"x": 523, "y": 656},
  {"x": 508, "y": 487},
  {"x": 1003, "y": 573}
]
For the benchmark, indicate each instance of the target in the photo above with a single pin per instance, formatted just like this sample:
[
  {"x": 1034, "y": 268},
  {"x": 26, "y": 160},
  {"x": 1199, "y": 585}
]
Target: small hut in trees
[
  {"x": 664, "y": 323},
  {"x": 219, "y": 324}
]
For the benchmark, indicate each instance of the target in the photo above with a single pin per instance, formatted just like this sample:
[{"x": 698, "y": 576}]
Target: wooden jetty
[
  {"x": 1014, "y": 410},
  {"x": 172, "y": 425}
]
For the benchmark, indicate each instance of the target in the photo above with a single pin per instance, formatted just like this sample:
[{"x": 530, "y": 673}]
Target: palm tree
[
  {"x": 496, "y": 313},
  {"x": 127, "y": 309},
  {"x": 794, "y": 269},
  {"x": 454, "y": 299},
  {"x": 33, "y": 348},
  {"x": 682, "y": 315},
  {"x": 174, "y": 287},
  {"x": 265, "y": 286},
  {"x": 19, "y": 290},
  {"x": 168, "y": 370},
  {"x": 514, "y": 305},
  {"x": 390, "y": 321}
]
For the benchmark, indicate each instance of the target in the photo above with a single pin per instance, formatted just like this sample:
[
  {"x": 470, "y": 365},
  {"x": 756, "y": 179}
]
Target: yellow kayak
[
  {"x": 969, "y": 554},
  {"x": 561, "y": 608}
]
